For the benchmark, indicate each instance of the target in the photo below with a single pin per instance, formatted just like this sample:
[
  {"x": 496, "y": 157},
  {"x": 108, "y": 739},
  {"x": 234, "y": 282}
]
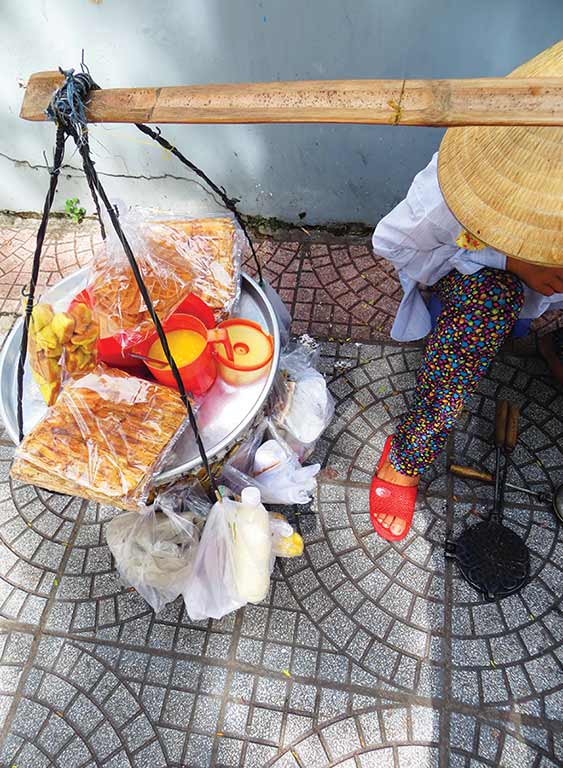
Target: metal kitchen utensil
[
  {"x": 492, "y": 557},
  {"x": 554, "y": 500}
]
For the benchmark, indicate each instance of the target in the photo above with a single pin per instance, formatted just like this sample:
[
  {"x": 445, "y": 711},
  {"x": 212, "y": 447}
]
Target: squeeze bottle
[{"x": 252, "y": 547}]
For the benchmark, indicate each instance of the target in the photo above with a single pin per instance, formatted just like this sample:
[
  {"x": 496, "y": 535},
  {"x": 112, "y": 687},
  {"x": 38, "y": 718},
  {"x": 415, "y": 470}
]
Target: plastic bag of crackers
[
  {"x": 61, "y": 344},
  {"x": 176, "y": 257},
  {"x": 102, "y": 439}
]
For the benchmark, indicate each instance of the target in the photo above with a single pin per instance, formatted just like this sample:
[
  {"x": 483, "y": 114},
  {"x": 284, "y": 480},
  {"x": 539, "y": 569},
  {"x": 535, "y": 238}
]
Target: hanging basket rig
[{"x": 72, "y": 101}]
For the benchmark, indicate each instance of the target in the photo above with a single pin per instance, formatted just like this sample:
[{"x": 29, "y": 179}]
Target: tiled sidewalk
[{"x": 365, "y": 654}]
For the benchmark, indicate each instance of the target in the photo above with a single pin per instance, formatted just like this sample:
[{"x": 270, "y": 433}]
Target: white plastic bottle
[{"x": 253, "y": 547}]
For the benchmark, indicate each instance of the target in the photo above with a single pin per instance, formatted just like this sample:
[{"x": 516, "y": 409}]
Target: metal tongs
[
  {"x": 508, "y": 435},
  {"x": 491, "y": 556}
]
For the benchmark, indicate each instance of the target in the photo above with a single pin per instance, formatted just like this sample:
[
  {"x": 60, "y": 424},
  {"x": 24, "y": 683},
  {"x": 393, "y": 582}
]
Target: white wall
[{"x": 334, "y": 173}]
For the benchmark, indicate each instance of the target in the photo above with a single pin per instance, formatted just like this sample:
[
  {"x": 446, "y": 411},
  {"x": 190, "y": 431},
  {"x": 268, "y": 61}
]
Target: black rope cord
[
  {"x": 67, "y": 106},
  {"x": 30, "y": 294},
  {"x": 229, "y": 202},
  {"x": 67, "y": 109},
  {"x": 94, "y": 193}
]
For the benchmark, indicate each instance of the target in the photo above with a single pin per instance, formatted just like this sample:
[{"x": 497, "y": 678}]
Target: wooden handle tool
[
  {"x": 469, "y": 473},
  {"x": 511, "y": 436},
  {"x": 501, "y": 416}
]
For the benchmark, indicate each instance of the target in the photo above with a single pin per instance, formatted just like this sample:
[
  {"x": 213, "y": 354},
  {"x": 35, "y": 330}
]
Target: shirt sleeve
[{"x": 410, "y": 238}]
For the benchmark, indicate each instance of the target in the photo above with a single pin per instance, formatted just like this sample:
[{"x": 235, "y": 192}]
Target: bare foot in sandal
[
  {"x": 388, "y": 473},
  {"x": 391, "y": 501}
]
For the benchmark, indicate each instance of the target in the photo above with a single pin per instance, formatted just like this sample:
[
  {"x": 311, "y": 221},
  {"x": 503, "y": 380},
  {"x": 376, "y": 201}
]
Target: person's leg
[{"x": 479, "y": 312}]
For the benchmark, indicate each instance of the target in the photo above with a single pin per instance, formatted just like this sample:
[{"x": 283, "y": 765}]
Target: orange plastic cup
[
  {"x": 252, "y": 348},
  {"x": 198, "y": 375}
]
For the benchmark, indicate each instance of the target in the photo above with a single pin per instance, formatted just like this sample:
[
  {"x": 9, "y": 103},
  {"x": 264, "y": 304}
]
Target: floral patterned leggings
[{"x": 479, "y": 312}]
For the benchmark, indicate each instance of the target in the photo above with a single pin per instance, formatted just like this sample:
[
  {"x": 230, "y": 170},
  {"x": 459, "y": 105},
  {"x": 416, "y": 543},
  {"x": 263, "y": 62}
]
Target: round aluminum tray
[{"x": 225, "y": 413}]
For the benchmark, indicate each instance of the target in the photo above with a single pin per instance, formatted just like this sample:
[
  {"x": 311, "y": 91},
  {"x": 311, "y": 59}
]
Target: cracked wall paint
[{"x": 334, "y": 173}]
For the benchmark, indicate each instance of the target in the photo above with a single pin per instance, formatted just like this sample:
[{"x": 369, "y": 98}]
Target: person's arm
[
  {"x": 544, "y": 280},
  {"x": 410, "y": 240}
]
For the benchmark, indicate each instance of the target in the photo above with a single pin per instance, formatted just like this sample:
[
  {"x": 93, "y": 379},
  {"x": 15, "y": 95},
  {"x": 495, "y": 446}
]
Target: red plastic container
[
  {"x": 114, "y": 350},
  {"x": 193, "y": 305},
  {"x": 199, "y": 375}
]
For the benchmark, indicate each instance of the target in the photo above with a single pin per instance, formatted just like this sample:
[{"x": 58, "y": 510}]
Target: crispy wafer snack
[
  {"x": 175, "y": 257},
  {"x": 212, "y": 249},
  {"x": 102, "y": 438}
]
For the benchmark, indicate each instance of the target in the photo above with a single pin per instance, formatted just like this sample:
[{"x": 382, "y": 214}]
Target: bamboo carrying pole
[{"x": 481, "y": 101}]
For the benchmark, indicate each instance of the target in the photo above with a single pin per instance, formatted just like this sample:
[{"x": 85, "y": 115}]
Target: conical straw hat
[{"x": 505, "y": 184}]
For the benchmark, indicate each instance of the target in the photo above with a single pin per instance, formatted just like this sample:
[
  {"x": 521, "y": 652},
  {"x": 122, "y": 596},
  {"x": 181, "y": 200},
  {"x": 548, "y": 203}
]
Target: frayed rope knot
[{"x": 68, "y": 104}]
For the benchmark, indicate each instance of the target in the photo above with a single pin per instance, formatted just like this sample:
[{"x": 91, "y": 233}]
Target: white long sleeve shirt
[{"x": 419, "y": 237}]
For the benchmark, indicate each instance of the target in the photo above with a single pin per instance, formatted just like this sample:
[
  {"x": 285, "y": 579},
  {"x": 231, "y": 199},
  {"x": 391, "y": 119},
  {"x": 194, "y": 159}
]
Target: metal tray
[{"x": 225, "y": 413}]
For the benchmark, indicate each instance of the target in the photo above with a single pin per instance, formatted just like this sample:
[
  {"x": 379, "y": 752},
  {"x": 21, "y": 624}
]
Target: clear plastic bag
[
  {"x": 301, "y": 404},
  {"x": 176, "y": 257},
  {"x": 102, "y": 439},
  {"x": 272, "y": 467},
  {"x": 61, "y": 344},
  {"x": 211, "y": 591},
  {"x": 286, "y": 542},
  {"x": 154, "y": 552},
  {"x": 184, "y": 496},
  {"x": 282, "y": 313}
]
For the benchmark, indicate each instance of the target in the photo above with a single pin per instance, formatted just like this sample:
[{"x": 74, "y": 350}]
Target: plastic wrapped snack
[
  {"x": 176, "y": 258},
  {"x": 212, "y": 247},
  {"x": 301, "y": 404},
  {"x": 102, "y": 438},
  {"x": 286, "y": 542},
  {"x": 154, "y": 552},
  {"x": 60, "y": 344}
]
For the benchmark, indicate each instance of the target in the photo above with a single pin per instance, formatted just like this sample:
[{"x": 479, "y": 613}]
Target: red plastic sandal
[{"x": 390, "y": 499}]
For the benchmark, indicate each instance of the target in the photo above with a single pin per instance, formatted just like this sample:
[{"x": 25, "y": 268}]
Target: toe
[
  {"x": 387, "y": 521},
  {"x": 397, "y": 526}
]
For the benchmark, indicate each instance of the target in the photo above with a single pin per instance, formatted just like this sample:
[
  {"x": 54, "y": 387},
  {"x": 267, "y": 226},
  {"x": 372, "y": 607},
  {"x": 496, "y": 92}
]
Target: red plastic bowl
[{"x": 114, "y": 350}]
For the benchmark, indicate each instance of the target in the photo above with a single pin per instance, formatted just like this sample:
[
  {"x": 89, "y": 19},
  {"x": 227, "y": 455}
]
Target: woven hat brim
[{"x": 505, "y": 184}]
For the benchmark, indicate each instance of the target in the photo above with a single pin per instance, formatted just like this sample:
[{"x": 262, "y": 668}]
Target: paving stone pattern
[{"x": 365, "y": 654}]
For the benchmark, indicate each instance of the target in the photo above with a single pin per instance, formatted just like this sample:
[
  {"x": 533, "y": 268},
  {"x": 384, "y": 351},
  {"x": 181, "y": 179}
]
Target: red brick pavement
[
  {"x": 336, "y": 289},
  {"x": 67, "y": 247}
]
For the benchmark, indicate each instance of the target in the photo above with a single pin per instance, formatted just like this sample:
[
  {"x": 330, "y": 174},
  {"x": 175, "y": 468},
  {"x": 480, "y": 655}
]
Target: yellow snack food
[
  {"x": 41, "y": 315},
  {"x": 284, "y": 544},
  {"x": 46, "y": 340},
  {"x": 290, "y": 546},
  {"x": 49, "y": 389},
  {"x": 59, "y": 342},
  {"x": 82, "y": 315},
  {"x": 62, "y": 326}
]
